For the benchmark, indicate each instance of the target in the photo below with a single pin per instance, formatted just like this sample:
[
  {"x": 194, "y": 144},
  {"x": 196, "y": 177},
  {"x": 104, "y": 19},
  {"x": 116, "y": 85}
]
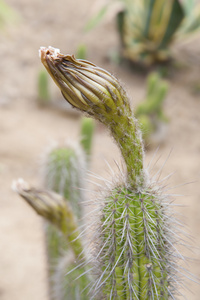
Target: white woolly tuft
[
  {"x": 54, "y": 51},
  {"x": 20, "y": 185}
]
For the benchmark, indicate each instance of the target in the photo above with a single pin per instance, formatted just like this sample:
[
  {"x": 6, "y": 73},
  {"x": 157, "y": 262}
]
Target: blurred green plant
[
  {"x": 147, "y": 28},
  {"x": 87, "y": 132},
  {"x": 150, "y": 112},
  {"x": 81, "y": 51},
  {"x": 43, "y": 97},
  {"x": 64, "y": 173},
  {"x": 7, "y": 15}
]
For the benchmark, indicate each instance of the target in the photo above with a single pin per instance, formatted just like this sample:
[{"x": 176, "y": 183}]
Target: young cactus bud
[
  {"x": 54, "y": 209},
  {"x": 95, "y": 91}
]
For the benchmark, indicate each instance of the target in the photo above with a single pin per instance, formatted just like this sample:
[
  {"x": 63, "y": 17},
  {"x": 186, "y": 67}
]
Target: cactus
[
  {"x": 7, "y": 15},
  {"x": 81, "y": 51},
  {"x": 64, "y": 173},
  {"x": 147, "y": 29},
  {"x": 43, "y": 89},
  {"x": 150, "y": 112},
  {"x": 64, "y": 169},
  {"x": 135, "y": 255},
  {"x": 87, "y": 131}
]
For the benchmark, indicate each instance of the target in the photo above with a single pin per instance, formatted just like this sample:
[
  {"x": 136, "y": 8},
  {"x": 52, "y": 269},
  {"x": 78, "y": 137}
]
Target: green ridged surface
[{"x": 134, "y": 255}]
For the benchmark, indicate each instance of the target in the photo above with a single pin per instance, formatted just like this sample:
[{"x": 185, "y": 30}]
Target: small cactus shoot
[
  {"x": 150, "y": 112},
  {"x": 87, "y": 131},
  {"x": 43, "y": 89}
]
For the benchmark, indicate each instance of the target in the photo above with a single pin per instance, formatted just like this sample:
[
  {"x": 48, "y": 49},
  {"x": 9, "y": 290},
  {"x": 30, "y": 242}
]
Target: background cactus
[
  {"x": 7, "y": 15},
  {"x": 148, "y": 28},
  {"x": 81, "y": 51},
  {"x": 134, "y": 254},
  {"x": 43, "y": 89},
  {"x": 61, "y": 204},
  {"x": 65, "y": 169},
  {"x": 86, "y": 135},
  {"x": 150, "y": 112},
  {"x": 64, "y": 173}
]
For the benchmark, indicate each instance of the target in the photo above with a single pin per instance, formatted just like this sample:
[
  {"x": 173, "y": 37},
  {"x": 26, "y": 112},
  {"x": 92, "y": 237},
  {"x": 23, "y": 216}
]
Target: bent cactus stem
[{"x": 98, "y": 93}]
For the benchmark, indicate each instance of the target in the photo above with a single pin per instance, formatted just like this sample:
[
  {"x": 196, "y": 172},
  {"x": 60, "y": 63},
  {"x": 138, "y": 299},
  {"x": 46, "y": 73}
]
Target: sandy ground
[{"x": 27, "y": 130}]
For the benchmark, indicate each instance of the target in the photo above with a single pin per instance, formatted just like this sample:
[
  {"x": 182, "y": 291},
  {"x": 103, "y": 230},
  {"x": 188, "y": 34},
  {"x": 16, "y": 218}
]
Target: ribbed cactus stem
[
  {"x": 134, "y": 255},
  {"x": 64, "y": 173}
]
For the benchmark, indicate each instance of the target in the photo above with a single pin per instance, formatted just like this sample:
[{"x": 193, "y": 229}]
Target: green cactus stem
[
  {"x": 95, "y": 91},
  {"x": 135, "y": 252}
]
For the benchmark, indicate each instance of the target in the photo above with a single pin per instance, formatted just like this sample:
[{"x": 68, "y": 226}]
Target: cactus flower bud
[
  {"x": 47, "y": 204},
  {"x": 97, "y": 92},
  {"x": 54, "y": 209},
  {"x": 84, "y": 85}
]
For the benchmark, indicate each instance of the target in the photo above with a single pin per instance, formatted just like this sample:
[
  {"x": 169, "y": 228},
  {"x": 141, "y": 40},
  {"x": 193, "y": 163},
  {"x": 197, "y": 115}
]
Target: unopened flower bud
[
  {"x": 84, "y": 85},
  {"x": 97, "y": 92},
  {"x": 54, "y": 209},
  {"x": 48, "y": 204}
]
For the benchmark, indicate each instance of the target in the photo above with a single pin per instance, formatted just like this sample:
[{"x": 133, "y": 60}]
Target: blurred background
[{"x": 31, "y": 119}]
